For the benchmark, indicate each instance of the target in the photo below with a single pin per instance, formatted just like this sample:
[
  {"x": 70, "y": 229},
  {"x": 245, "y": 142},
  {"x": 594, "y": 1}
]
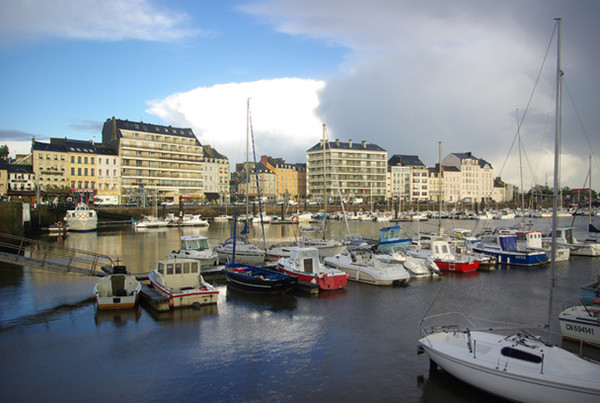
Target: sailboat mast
[
  {"x": 590, "y": 207},
  {"x": 521, "y": 172},
  {"x": 247, "y": 158},
  {"x": 440, "y": 189},
  {"x": 556, "y": 171},
  {"x": 324, "y": 181}
]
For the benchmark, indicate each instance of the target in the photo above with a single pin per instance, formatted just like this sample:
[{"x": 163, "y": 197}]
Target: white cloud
[
  {"x": 109, "y": 20},
  {"x": 283, "y": 116}
]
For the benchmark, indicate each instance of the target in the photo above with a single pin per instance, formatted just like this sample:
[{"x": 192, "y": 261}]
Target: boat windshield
[{"x": 195, "y": 244}]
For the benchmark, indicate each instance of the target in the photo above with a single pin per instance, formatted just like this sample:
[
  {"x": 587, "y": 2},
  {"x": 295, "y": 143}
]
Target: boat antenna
[{"x": 558, "y": 123}]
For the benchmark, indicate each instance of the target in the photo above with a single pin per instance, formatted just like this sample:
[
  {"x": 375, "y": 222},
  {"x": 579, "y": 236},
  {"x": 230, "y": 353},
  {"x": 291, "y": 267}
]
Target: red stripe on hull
[
  {"x": 325, "y": 283},
  {"x": 460, "y": 267}
]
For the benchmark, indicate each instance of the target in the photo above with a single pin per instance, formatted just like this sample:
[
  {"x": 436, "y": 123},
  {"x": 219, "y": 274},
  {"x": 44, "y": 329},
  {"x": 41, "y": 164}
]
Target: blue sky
[{"x": 401, "y": 74}]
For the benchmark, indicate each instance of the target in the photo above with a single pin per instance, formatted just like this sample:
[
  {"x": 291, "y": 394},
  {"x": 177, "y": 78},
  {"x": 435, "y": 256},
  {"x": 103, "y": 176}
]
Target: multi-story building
[
  {"x": 291, "y": 178},
  {"x": 50, "y": 165},
  {"x": 348, "y": 170},
  {"x": 159, "y": 161},
  {"x": 108, "y": 171},
  {"x": 216, "y": 175},
  {"x": 409, "y": 178},
  {"x": 3, "y": 177},
  {"x": 267, "y": 182},
  {"x": 20, "y": 182},
  {"x": 81, "y": 167},
  {"x": 476, "y": 176}
]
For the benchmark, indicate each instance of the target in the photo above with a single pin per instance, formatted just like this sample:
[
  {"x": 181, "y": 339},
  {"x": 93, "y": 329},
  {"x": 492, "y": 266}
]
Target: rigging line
[
  {"x": 537, "y": 80},
  {"x": 580, "y": 121}
]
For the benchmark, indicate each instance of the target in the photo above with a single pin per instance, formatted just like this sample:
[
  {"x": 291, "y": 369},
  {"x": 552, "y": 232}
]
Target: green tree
[{"x": 4, "y": 152}]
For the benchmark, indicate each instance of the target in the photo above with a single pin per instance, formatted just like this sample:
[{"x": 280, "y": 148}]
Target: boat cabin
[
  {"x": 306, "y": 260},
  {"x": 194, "y": 242},
  {"x": 179, "y": 273}
]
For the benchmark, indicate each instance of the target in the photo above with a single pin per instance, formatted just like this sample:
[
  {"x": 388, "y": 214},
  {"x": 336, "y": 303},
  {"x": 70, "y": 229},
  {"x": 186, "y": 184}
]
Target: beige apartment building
[
  {"x": 291, "y": 178},
  {"x": 156, "y": 161},
  {"x": 472, "y": 180},
  {"x": 346, "y": 169},
  {"x": 50, "y": 166},
  {"x": 216, "y": 175}
]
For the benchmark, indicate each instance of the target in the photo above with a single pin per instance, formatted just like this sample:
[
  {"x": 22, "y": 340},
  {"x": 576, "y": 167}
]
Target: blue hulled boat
[
  {"x": 506, "y": 250},
  {"x": 258, "y": 280}
]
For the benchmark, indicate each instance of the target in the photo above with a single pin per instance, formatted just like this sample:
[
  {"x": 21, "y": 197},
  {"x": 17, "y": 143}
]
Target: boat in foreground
[
  {"x": 258, "y": 280},
  {"x": 180, "y": 281},
  {"x": 362, "y": 265},
  {"x": 518, "y": 367},
  {"x": 118, "y": 290},
  {"x": 305, "y": 265}
]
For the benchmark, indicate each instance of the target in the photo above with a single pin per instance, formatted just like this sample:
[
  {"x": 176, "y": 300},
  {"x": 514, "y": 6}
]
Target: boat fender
[
  {"x": 596, "y": 300},
  {"x": 171, "y": 303},
  {"x": 59, "y": 224}
]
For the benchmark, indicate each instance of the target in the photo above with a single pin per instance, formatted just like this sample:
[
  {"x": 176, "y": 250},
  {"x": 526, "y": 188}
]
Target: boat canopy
[{"x": 508, "y": 243}]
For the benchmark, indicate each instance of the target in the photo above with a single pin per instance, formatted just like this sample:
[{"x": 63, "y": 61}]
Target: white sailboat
[{"x": 519, "y": 367}]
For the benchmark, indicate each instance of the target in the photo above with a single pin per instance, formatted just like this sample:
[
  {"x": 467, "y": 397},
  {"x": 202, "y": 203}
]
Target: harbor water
[{"x": 355, "y": 344}]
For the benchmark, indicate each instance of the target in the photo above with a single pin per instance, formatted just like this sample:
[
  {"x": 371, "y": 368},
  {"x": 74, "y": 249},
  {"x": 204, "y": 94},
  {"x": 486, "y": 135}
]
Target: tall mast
[
  {"x": 521, "y": 172},
  {"x": 247, "y": 157},
  {"x": 440, "y": 184},
  {"x": 590, "y": 206},
  {"x": 324, "y": 181},
  {"x": 556, "y": 171}
]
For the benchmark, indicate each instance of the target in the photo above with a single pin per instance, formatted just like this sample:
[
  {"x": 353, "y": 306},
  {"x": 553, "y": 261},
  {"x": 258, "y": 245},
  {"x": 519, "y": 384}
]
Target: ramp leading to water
[{"x": 49, "y": 256}]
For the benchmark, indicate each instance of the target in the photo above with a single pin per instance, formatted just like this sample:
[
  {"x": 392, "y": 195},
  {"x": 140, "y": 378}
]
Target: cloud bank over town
[{"x": 403, "y": 75}]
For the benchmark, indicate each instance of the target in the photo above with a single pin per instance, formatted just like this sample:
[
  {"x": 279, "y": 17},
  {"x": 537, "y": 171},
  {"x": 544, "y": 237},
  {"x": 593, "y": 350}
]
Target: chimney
[
  {"x": 350, "y": 143},
  {"x": 364, "y": 144}
]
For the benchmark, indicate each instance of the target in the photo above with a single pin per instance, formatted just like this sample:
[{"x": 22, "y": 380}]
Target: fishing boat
[
  {"x": 305, "y": 265},
  {"x": 520, "y": 366},
  {"x": 117, "y": 290},
  {"x": 180, "y": 281},
  {"x": 505, "y": 249},
  {"x": 581, "y": 323},
  {"x": 196, "y": 247},
  {"x": 445, "y": 258},
  {"x": 82, "y": 219},
  {"x": 392, "y": 237},
  {"x": 362, "y": 265}
]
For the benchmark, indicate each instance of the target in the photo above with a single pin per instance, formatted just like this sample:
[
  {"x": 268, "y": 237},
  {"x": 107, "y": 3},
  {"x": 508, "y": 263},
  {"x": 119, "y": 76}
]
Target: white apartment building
[
  {"x": 156, "y": 160},
  {"x": 346, "y": 169},
  {"x": 475, "y": 178},
  {"x": 216, "y": 175},
  {"x": 410, "y": 178}
]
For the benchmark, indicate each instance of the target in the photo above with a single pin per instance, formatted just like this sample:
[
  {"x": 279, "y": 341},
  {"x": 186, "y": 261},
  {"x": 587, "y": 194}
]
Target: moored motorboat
[
  {"x": 416, "y": 266},
  {"x": 392, "y": 236},
  {"x": 117, "y": 290},
  {"x": 82, "y": 219},
  {"x": 506, "y": 250},
  {"x": 180, "y": 281},
  {"x": 362, "y": 265},
  {"x": 304, "y": 264},
  {"x": 196, "y": 247},
  {"x": 281, "y": 249},
  {"x": 445, "y": 258}
]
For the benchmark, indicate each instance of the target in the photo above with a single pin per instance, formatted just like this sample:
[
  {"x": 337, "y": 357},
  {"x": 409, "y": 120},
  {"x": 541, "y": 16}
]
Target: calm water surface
[{"x": 356, "y": 344}]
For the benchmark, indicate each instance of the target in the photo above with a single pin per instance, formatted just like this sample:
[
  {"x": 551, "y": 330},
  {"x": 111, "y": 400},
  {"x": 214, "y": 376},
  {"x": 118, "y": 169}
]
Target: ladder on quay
[{"x": 50, "y": 256}]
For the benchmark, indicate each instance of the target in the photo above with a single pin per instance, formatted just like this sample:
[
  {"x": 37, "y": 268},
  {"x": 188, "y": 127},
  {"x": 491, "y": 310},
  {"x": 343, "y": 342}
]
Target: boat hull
[
  {"x": 509, "y": 378},
  {"x": 582, "y": 324},
  {"x": 519, "y": 259},
  {"x": 191, "y": 296},
  {"x": 325, "y": 282},
  {"x": 117, "y": 291},
  {"x": 266, "y": 282},
  {"x": 461, "y": 267}
]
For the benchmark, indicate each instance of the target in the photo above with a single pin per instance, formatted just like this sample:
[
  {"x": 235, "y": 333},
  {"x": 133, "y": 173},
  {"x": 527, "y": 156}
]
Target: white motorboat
[
  {"x": 82, "y": 219},
  {"x": 326, "y": 247},
  {"x": 118, "y": 290},
  {"x": 180, "y": 281},
  {"x": 196, "y": 247},
  {"x": 363, "y": 266},
  {"x": 416, "y": 266},
  {"x": 245, "y": 252},
  {"x": 581, "y": 323},
  {"x": 565, "y": 237},
  {"x": 188, "y": 220},
  {"x": 151, "y": 222},
  {"x": 519, "y": 367}
]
